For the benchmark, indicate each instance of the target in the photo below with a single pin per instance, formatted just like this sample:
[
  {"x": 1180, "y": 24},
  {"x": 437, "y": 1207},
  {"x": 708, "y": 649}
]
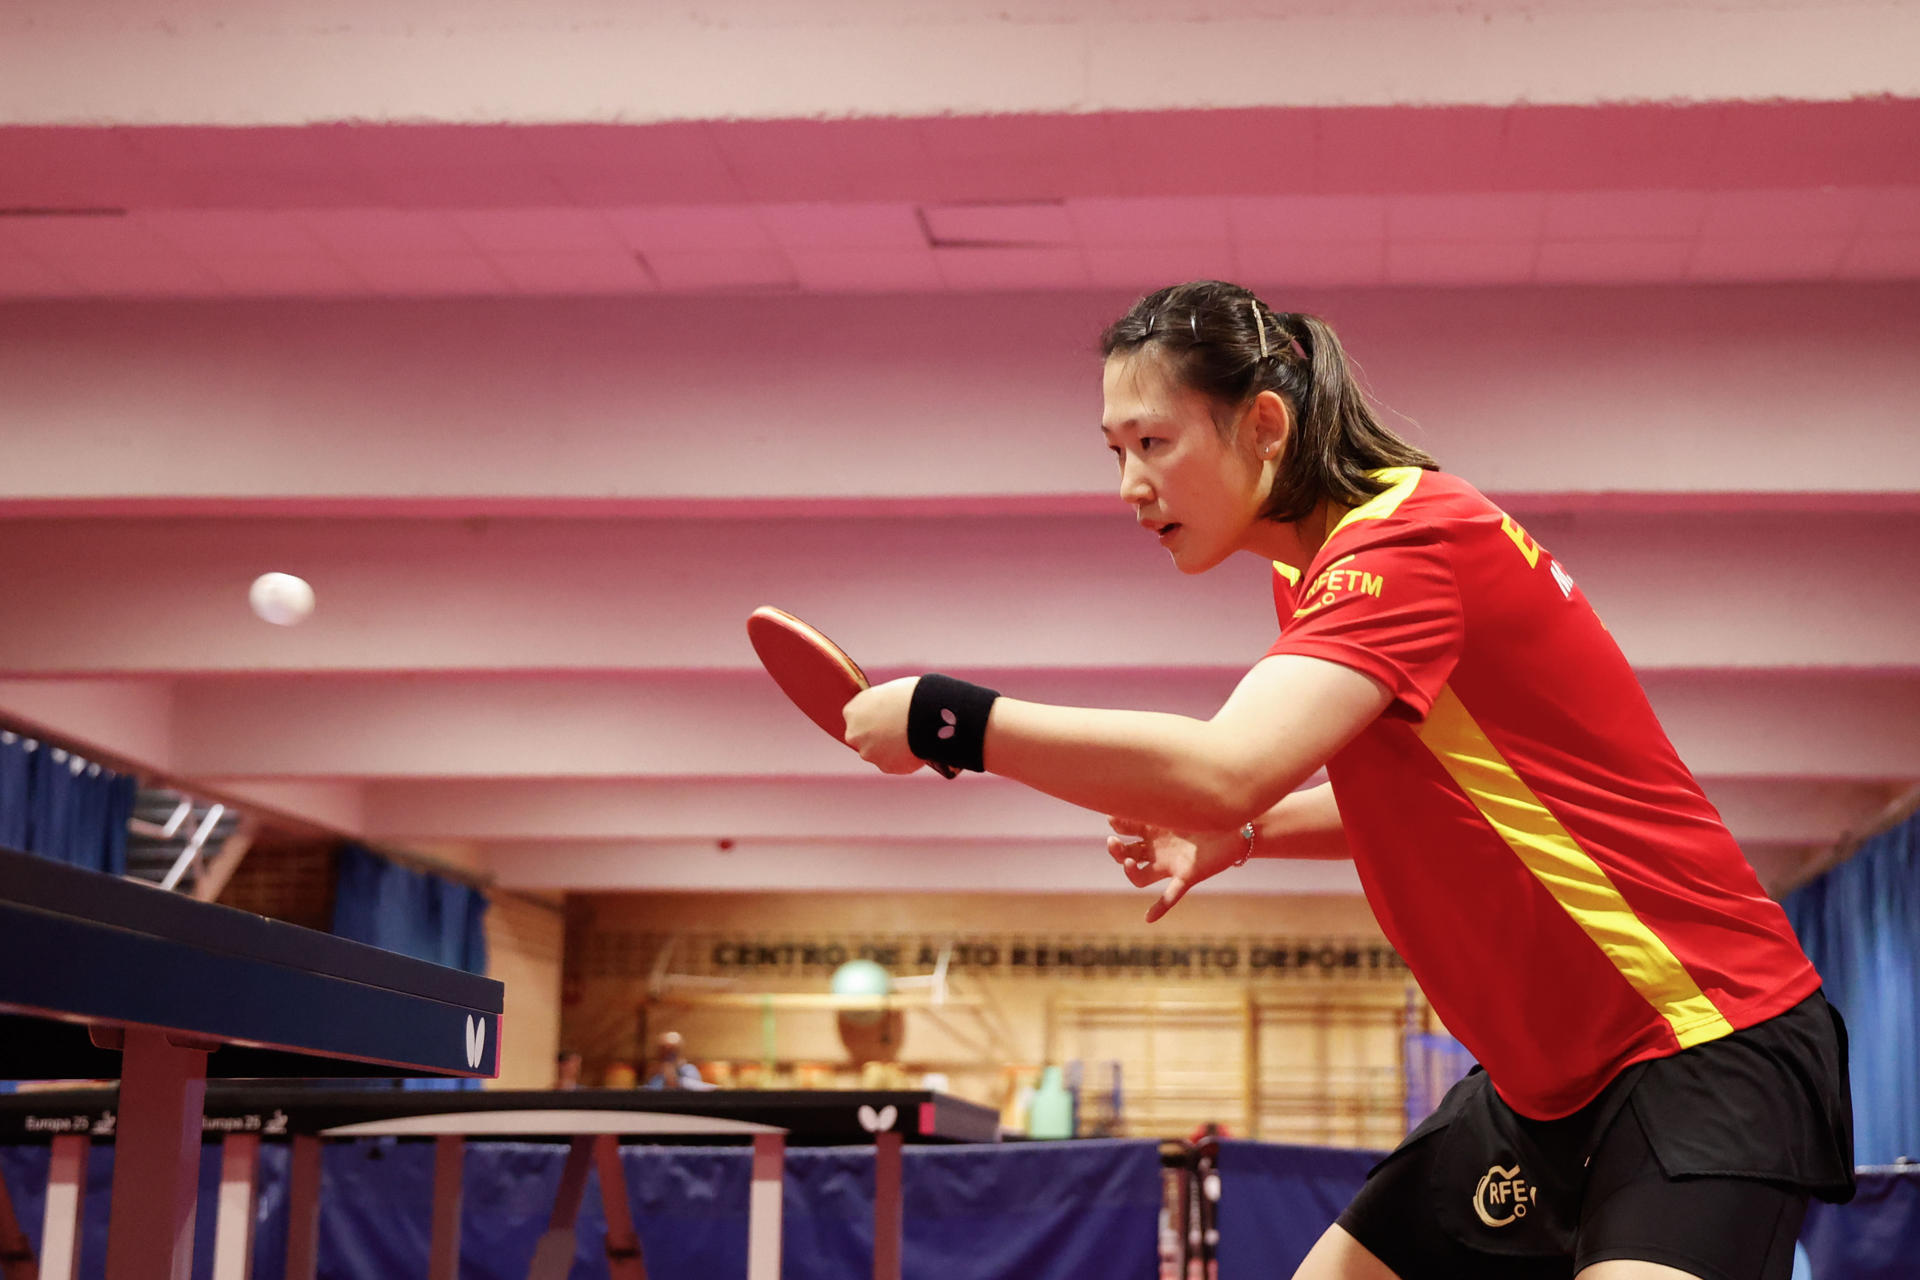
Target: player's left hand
[
  {"x": 1150, "y": 854},
  {"x": 877, "y": 725}
]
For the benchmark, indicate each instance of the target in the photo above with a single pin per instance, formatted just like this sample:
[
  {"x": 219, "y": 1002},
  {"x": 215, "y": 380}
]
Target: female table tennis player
[{"x": 1664, "y": 1086}]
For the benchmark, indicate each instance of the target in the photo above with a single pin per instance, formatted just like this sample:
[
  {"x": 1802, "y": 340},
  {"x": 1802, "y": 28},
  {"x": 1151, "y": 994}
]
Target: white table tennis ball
[{"x": 281, "y": 598}]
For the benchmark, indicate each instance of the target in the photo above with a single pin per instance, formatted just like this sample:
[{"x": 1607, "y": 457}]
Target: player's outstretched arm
[
  {"x": 1288, "y": 716},
  {"x": 1304, "y": 825}
]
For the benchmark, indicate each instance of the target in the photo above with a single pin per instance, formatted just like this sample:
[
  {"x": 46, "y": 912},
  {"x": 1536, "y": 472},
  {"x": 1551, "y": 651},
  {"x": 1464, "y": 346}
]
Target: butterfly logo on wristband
[{"x": 948, "y": 721}]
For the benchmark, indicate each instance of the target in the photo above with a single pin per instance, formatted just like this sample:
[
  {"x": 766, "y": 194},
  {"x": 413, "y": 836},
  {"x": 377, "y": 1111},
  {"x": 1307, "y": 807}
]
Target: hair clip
[{"x": 1260, "y": 324}]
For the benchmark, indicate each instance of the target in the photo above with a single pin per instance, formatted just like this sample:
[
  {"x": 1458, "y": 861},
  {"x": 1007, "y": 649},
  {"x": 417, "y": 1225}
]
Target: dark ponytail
[{"x": 1222, "y": 341}]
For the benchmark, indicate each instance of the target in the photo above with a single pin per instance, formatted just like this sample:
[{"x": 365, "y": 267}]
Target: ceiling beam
[
  {"x": 168, "y": 598},
  {"x": 1586, "y": 392},
  {"x": 1816, "y": 724},
  {"x": 929, "y": 866},
  {"x": 922, "y": 807},
  {"x": 934, "y": 866}
]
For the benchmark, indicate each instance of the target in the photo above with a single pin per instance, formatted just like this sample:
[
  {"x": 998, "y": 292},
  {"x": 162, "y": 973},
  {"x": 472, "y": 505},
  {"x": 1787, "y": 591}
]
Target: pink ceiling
[
  {"x": 1318, "y": 197},
  {"x": 342, "y": 439}
]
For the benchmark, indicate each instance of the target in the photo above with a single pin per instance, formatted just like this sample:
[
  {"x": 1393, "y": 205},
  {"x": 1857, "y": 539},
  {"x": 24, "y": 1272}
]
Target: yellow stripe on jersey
[
  {"x": 1569, "y": 875},
  {"x": 1400, "y": 482}
]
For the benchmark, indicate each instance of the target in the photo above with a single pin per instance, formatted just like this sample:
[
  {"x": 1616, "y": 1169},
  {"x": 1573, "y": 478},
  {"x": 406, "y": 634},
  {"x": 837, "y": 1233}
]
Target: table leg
[
  {"x": 303, "y": 1208},
  {"x": 66, "y": 1206},
  {"x": 233, "y": 1220},
  {"x": 553, "y": 1256},
  {"x": 763, "y": 1211},
  {"x": 449, "y": 1168},
  {"x": 156, "y": 1159},
  {"x": 886, "y": 1206},
  {"x": 625, "y": 1261},
  {"x": 16, "y": 1255}
]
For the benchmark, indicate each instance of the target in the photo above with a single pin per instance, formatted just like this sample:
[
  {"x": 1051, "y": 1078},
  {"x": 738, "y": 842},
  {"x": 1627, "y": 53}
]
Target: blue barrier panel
[
  {"x": 1036, "y": 1211},
  {"x": 1276, "y": 1200},
  {"x": 25, "y": 1171},
  {"x": 1876, "y": 1237}
]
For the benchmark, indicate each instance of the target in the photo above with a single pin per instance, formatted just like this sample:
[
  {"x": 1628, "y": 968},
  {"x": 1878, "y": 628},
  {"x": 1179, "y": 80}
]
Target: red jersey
[{"x": 1527, "y": 837}]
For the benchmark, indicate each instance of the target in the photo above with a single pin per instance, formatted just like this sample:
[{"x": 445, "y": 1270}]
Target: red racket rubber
[{"x": 815, "y": 673}]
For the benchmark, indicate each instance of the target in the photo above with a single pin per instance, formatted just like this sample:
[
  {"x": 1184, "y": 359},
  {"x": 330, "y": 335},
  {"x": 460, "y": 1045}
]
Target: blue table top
[{"x": 80, "y": 949}]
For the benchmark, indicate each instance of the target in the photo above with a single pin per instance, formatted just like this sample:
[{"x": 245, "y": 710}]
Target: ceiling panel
[
  {"x": 312, "y": 275},
  {"x": 1612, "y": 261},
  {"x": 844, "y": 227},
  {"x": 866, "y": 270},
  {"x": 1026, "y": 224},
  {"x": 1624, "y": 215},
  {"x": 538, "y": 229},
  {"x": 694, "y": 228},
  {"x": 612, "y": 271}
]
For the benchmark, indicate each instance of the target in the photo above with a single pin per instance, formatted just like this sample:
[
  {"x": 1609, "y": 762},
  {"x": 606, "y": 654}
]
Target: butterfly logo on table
[
  {"x": 880, "y": 1121},
  {"x": 476, "y": 1041}
]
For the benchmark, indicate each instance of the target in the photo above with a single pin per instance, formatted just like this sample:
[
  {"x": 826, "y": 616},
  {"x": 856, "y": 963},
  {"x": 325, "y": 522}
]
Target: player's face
[{"x": 1196, "y": 489}]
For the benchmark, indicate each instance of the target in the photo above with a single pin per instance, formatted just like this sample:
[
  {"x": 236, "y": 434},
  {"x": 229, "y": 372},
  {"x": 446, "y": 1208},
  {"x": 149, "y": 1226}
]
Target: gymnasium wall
[
  {"x": 1280, "y": 1016},
  {"x": 523, "y": 951}
]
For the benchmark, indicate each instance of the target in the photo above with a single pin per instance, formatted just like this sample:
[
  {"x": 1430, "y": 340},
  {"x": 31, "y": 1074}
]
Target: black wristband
[{"x": 947, "y": 722}]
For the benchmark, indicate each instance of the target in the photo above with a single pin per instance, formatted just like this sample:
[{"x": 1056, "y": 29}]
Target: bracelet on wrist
[{"x": 1246, "y": 833}]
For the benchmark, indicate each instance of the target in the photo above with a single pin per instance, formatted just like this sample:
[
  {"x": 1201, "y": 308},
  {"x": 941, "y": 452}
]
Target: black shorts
[{"x": 1702, "y": 1161}]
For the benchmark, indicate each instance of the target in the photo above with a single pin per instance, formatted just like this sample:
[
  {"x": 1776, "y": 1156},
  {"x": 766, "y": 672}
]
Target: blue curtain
[
  {"x": 424, "y": 916},
  {"x": 16, "y": 769},
  {"x": 419, "y": 915},
  {"x": 1860, "y": 924},
  {"x": 58, "y": 805}
]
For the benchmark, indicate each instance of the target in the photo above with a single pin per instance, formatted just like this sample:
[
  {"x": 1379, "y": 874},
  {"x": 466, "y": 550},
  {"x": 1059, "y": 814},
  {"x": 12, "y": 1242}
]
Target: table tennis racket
[{"x": 815, "y": 673}]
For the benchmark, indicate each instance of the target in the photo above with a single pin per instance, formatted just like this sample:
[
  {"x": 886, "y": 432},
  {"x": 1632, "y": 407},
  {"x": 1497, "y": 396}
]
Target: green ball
[{"x": 861, "y": 978}]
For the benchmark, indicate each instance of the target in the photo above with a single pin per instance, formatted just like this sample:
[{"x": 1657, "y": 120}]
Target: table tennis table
[
  {"x": 104, "y": 978},
  {"x": 591, "y": 1121}
]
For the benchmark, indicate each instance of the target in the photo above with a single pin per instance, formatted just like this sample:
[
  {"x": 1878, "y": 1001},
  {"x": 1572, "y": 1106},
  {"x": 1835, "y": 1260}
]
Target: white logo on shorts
[{"x": 1503, "y": 1196}]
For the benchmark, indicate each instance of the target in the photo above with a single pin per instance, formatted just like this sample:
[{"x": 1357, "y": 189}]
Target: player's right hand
[
  {"x": 876, "y": 721},
  {"x": 1150, "y": 854}
]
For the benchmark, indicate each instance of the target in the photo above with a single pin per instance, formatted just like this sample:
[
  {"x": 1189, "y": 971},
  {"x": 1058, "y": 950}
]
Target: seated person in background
[
  {"x": 566, "y": 1070},
  {"x": 671, "y": 1070}
]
